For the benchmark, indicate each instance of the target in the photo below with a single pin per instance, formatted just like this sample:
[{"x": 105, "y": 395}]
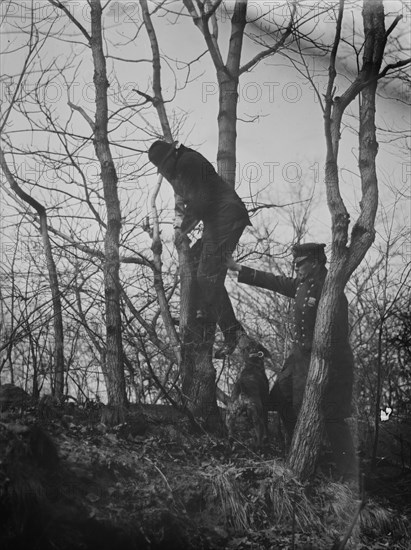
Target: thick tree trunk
[
  {"x": 308, "y": 434},
  {"x": 344, "y": 259},
  {"x": 199, "y": 384},
  {"x": 198, "y": 373},
  {"x": 114, "y": 353}
]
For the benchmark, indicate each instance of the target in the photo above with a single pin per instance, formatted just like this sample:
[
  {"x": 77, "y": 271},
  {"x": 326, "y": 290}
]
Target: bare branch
[
  {"x": 393, "y": 25},
  {"x": 277, "y": 45},
  {"x": 391, "y": 67},
  {"x": 147, "y": 97},
  {"x": 83, "y": 113},
  {"x": 157, "y": 100},
  {"x": 32, "y": 50},
  {"x": 201, "y": 21},
  {"x": 62, "y": 7}
]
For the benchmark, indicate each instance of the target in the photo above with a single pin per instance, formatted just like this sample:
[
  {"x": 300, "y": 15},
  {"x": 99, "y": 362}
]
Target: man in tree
[
  {"x": 207, "y": 197},
  {"x": 287, "y": 393}
]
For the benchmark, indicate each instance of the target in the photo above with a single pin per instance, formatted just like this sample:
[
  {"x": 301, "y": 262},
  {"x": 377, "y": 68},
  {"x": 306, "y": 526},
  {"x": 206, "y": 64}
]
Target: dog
[{"x": 250, "y": 393}]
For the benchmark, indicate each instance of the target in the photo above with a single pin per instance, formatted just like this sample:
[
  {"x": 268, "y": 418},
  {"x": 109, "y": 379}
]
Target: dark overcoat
[
  {"x": 291, "y": 381},
  {"x": 209, "y": 198},
  {"x": 206, "y": 195}
]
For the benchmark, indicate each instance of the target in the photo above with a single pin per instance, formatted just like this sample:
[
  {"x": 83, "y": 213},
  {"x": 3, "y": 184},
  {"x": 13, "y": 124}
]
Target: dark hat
[
  {"x": 309, "y": 250},
  {"x": 159, "y": 151}
]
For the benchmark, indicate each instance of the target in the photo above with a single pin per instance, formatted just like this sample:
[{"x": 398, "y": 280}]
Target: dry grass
[
  {"x": 289, "y": 501},
  {"x": 340, "y": 504},
  {"x": 265, "y": 494},
  {"x": 234, "y": 505},
  {"x": 262, "y": 491},
  {"x": 375, "y": 521}
]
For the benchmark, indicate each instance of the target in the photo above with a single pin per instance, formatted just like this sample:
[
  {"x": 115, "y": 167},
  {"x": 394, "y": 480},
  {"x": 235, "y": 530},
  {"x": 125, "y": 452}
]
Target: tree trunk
[
  {"x": 344, "y": 259},
  {"x": 228, "y": 79},
  {"x": 114, "y": 352},
  {"x": 199, "y": 376},
  {"x": 58, "y": 387},
  {"x": 198, "y": 373},
  {"x": 196, "y": 368},
  {"x": 309, "y": 429},
  {"x": 198, "y": 385}
]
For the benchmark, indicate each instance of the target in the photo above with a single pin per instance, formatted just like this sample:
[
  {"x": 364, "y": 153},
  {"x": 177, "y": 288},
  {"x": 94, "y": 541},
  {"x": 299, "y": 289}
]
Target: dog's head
[{"x": 252, "y": 350}]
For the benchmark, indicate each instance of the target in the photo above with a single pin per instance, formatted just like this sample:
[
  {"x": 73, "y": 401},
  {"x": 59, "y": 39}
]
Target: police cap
[{"x": 309, "y": 250}]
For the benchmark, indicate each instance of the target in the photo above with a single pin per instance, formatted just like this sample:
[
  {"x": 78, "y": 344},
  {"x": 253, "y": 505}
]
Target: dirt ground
[{"x": 69, "y": 482}]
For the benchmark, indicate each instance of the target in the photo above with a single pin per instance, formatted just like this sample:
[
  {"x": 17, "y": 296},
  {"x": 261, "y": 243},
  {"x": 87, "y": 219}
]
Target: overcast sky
[{"x": 281, "y": 145}]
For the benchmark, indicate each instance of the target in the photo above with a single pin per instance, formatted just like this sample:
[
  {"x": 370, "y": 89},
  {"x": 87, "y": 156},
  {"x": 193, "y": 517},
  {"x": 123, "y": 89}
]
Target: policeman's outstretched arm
[{"x": 232, "y": 265}]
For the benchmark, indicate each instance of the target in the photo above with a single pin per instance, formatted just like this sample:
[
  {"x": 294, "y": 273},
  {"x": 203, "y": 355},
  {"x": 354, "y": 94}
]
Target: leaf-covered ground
[{"x": 69, "y": 482}]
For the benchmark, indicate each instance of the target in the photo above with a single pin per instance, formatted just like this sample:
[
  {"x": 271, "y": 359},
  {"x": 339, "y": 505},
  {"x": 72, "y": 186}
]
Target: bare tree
[
  {"x": 114, "y": 349},
  {"x": 58, "y": 388},
  {"x": 111, "y": 264},
  {"x": 198, "y": 383},
  {"x": 34, "y": 45},
  {"x": 345, "y": 256},
  {"x": 228, "y": 73}
]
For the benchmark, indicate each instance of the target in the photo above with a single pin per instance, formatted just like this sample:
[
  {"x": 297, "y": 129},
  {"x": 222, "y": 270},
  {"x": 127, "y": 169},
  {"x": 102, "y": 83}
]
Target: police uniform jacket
[{"x": 306, "y": 295}]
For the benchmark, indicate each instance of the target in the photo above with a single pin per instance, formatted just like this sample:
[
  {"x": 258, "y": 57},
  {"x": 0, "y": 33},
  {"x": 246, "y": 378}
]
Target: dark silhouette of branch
[
  {"x": 273, "y": 49},
  {"x": 77, "y": 23}
]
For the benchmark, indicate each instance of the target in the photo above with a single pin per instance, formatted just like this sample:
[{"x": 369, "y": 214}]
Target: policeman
[
  {"x": 287, "y": 393},
  {"x": 209, "y": 198}
]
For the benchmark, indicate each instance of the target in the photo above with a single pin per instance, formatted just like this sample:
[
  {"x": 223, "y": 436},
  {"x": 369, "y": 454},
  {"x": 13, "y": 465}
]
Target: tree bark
[
  {"x": 228, "y": 79},
  {"x": 114, "y": 352}
]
